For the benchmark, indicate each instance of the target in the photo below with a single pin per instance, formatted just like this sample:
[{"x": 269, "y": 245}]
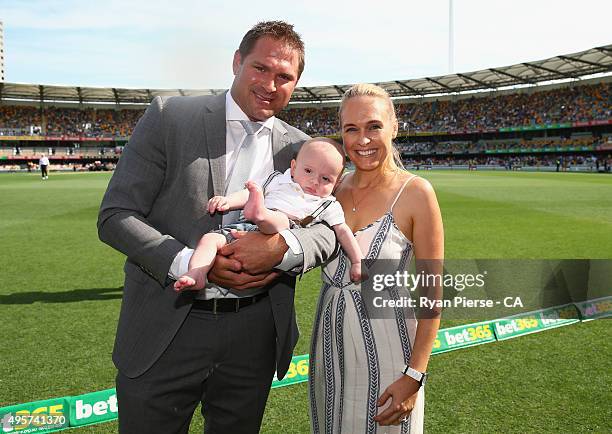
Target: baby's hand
[
  {"x": 356, "y": 274},
  {"x": 217, "y": 203}
]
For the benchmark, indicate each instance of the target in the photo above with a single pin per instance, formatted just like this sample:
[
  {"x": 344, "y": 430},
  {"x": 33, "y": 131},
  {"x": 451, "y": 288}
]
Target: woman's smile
[{"x": 365, "y": 152}]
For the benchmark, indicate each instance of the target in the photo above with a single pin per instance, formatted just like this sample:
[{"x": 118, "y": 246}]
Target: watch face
[{"x": 420, "y": 377}]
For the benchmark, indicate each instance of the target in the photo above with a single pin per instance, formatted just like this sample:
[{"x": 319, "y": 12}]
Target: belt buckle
[{"x": 237, "y": 304}]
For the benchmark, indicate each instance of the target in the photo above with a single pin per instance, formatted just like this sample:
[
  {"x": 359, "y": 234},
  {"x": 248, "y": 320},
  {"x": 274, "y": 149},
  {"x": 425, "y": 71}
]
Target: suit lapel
[
  {"x": 282, "y": 152},
  {"x": 215, "y": 128},
  {"x": 215, "y": 133}
]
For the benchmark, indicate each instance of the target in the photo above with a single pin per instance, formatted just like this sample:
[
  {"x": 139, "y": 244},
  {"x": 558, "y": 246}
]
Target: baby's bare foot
[
  {"x": 194, "y": 279},
  {"x": 254, "y": 208}
]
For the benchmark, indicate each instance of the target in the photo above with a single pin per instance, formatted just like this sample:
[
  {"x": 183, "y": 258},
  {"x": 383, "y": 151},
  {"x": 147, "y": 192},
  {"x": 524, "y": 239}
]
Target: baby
[{"x": 301, "y": 195}]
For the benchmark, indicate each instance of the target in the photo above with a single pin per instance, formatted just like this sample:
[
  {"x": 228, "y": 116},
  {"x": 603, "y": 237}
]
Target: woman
[{"x": 357, "y": 361}]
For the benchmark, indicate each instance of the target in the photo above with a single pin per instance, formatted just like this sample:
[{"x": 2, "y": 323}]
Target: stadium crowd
[
  {"x": 567, "y": 104},
  {"x": 20, "y": 120},
  {"x": 579, "y": 142},
  {"x": 560, "y": 163},
  {"x": 491, "y": 112},
  {"x": 60, "y": 121}
]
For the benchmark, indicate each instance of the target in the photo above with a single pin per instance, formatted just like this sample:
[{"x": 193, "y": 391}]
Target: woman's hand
[
  {"x": 403, "y": 394},
  {"x": 355, "y": 272}
]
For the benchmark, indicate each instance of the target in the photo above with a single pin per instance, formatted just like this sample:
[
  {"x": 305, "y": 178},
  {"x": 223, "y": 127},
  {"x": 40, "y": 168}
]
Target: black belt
[{"x": 228, "y": 304}]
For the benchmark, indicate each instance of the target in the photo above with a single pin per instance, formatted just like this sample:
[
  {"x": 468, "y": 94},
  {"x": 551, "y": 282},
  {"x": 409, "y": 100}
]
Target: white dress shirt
[{"x": 262, "y": 166}]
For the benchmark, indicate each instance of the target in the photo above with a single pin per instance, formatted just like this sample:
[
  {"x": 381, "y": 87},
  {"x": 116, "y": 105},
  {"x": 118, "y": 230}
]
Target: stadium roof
[{"x": 570, "y": 66}]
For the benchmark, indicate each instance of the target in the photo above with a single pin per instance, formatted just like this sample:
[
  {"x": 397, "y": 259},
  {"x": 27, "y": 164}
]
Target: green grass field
[{"x": 60, "y": 293}]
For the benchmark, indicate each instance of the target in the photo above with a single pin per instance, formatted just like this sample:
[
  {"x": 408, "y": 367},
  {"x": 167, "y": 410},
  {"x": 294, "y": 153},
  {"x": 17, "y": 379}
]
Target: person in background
[{"x": 43, "y": 162}]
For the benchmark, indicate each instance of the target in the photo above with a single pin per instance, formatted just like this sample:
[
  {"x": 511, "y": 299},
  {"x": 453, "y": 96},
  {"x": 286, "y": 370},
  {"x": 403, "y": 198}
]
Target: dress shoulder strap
[
  {"x": 399, "y": 193},
  {"x": 342, "y": 178}
]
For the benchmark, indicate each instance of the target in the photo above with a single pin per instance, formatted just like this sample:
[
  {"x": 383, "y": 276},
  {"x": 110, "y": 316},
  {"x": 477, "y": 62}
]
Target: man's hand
[
  {"x": 257, "y": 253},
  {"x": 227, "y": 272}
]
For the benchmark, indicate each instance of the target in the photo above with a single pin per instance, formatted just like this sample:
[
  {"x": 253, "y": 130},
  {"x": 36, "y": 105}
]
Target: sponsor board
[
  {"x": 25, "y": 138},
  {"x": 532, "y": 322},
  {"x": 61, "y": 138},
  {"x": 297, "y": 372},
  {"x": 93, "y": 407},
  {"x": 594, "y": 309},
  {"x": 463, "y": 336}
]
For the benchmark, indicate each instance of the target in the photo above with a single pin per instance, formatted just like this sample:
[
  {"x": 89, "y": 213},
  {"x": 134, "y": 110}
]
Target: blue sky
[{"x": 189, "y": 44}]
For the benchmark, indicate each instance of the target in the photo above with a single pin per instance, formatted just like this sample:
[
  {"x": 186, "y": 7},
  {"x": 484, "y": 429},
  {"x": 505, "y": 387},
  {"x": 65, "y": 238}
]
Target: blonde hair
[{"x": 393, "y": 162}]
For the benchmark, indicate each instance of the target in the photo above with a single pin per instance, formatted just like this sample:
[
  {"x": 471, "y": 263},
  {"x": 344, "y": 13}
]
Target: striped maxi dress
[{"x": 354, "y": 355}]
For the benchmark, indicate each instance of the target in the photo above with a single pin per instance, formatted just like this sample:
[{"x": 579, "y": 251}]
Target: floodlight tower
[
  {"x": 451, "y": 38},
  {"x": 1, "y": 52}
]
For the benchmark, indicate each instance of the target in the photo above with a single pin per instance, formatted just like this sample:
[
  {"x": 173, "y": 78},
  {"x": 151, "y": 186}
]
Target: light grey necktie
[{"x": 242, "y": 165}]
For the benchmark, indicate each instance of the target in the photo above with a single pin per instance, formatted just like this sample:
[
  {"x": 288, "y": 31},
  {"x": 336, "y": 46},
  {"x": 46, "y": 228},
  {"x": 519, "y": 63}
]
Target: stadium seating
[
  {"x": 448, "y": 130},
  {"x": 568, "y": 104}
]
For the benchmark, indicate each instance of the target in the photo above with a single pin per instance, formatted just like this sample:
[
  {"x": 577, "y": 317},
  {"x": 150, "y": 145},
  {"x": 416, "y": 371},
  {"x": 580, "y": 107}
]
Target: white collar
[
  {"x": 233, "y": 112},
  {"x": 285, "y": 178}
]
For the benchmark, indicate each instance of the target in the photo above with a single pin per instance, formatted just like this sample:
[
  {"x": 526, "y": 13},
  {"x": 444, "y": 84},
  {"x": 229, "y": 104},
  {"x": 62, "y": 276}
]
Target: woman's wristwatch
[{"x": 419, "y": 377}]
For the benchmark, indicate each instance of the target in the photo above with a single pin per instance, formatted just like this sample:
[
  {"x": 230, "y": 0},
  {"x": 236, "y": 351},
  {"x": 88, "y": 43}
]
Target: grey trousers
[{"x": 224, "y": 360}]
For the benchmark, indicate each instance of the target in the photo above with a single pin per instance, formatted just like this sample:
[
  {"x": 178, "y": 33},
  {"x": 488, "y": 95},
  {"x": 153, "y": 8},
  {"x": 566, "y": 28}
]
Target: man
[
  {"x": 220, "y": 347},
  {"x": 43, "y": 162}
]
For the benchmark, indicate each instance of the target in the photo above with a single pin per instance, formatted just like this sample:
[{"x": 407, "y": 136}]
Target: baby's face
[{"x": 317, "y": 169}]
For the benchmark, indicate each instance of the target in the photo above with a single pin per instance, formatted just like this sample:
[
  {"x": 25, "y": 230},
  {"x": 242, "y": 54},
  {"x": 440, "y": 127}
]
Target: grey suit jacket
[{"x": 154, "y": 207}]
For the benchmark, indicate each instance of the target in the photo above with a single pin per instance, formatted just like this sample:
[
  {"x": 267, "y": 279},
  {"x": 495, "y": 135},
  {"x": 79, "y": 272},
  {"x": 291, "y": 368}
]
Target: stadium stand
[
  {"x": 559, "y": 125},
  {"x": 480, "y": 113}
]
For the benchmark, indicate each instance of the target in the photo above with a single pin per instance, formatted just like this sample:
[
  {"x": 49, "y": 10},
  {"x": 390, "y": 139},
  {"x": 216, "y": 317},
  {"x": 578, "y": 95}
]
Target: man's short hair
[{"x": 278, "y": 30}]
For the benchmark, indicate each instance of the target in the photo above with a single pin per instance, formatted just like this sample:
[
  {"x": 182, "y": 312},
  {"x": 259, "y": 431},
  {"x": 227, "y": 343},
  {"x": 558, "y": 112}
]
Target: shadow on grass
[{"x": 71, "y": 296}]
